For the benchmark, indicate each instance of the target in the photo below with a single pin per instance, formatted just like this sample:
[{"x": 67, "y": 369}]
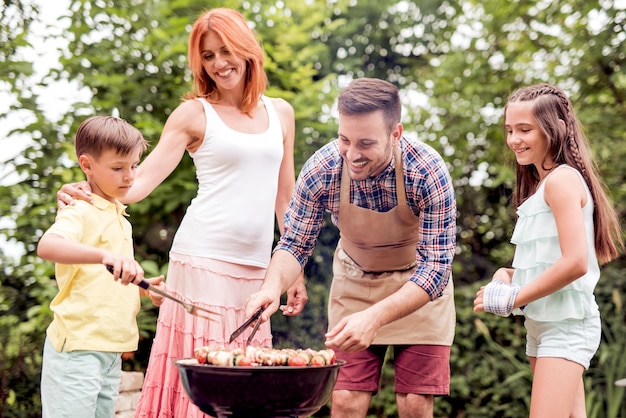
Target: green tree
[{"x": 24, "y": 289}]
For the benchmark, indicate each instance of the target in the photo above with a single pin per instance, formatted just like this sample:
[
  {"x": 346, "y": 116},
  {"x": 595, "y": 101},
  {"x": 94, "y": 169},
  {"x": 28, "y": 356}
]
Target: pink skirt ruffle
[{"x": 216, "y": 285}]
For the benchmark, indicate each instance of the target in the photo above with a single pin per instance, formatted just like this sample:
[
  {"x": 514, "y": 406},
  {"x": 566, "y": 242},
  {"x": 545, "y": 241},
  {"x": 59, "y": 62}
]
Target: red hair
[{"x": 233, "y": 30}]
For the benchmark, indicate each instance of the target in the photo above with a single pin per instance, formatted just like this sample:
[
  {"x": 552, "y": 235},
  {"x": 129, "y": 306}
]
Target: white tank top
[{"x": 232, "y": 217}]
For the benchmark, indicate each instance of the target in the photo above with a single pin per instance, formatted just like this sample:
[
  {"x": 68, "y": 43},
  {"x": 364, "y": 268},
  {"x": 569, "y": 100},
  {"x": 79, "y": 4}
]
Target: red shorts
[{"x": 419, "y": 369}]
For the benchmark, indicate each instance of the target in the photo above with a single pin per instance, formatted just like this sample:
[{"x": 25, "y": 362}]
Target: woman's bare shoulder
[
  {"x": 282, "y": 106},
  {"x": 186, "y": 122},
  {"x": 188, "y": 108}
]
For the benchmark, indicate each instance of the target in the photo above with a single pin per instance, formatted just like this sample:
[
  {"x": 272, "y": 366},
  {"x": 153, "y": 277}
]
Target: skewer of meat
[{"x": 264, "y": 356}]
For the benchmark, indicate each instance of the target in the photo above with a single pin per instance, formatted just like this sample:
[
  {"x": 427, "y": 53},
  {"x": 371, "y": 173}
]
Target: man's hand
[
  {"x": 69, "y": 192},
  {"x": 297, "y": 298},
  {"x": 268, "y": 298},
  {"x": 353, "y": 333}
]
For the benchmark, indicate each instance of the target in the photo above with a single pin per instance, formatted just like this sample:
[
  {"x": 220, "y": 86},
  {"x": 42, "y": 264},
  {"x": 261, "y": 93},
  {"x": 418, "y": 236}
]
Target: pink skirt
[{"x": 216, "y": 285}]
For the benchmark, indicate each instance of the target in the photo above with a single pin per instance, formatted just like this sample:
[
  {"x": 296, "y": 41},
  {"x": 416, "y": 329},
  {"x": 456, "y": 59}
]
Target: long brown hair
[
  {"x": 567, "y": 144},
  {"x": 232, "y": 29}
]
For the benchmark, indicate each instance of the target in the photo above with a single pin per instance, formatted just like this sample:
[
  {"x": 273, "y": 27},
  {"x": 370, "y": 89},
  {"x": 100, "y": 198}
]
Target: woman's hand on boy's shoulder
[{"x": 69, "y": 192}]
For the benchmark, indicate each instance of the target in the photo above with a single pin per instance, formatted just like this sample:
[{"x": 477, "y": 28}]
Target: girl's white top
[
  {"x": 232, "y": 217},
  {"x": 537, "y": 248}
]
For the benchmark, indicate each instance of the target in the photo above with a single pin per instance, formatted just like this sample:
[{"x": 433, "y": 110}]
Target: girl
[{"x": 566, "y": 227}]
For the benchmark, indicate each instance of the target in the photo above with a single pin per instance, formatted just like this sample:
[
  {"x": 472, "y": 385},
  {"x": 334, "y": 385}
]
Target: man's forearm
[
  {"x": 406, "y": 300},
  {"x": 283, "y": 271}
]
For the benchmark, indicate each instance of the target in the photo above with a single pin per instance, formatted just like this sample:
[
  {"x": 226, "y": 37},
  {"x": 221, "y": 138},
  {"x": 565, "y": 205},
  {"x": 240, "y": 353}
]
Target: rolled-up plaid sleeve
[
  {"x": 434, "y": 192},
  {"x": 305, "y": 215}
]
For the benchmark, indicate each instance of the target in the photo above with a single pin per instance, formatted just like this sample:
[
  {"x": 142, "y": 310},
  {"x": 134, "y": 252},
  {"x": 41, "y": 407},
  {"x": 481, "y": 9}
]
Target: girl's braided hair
[{"x": 567, "y": 144}]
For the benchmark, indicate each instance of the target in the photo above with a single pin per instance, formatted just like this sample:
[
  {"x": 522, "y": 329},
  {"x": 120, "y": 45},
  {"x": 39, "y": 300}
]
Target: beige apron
[{"x": 375, "y": 257}]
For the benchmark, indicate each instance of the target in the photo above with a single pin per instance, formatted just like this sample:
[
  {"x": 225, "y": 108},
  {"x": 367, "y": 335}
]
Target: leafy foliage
[{"x": 604, "y": 399}]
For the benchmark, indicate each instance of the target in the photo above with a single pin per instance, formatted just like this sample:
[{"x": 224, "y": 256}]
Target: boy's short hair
[{"x": 99, "y": 133}]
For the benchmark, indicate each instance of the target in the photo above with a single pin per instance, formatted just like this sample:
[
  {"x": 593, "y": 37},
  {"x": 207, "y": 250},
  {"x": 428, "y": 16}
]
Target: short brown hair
[
  {"x": 99, "y": 133},
  {"x": 366, "y": 95}
]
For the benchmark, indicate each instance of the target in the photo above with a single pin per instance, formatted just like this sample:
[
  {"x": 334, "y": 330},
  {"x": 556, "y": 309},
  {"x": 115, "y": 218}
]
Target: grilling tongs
[
  {"x": 255, "y": 317},
  {"x": 189, "y": 307}
]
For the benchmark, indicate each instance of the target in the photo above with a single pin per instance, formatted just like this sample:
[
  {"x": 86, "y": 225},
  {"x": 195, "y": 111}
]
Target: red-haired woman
[{"x": 241, "y": 143}]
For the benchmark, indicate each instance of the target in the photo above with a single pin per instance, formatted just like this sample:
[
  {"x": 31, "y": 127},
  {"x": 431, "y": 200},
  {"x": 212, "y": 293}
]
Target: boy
[{"x": 94, "y": 317}]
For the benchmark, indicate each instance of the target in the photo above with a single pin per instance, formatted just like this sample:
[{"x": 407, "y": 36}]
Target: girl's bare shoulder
[{"x": 565, "y": 183}]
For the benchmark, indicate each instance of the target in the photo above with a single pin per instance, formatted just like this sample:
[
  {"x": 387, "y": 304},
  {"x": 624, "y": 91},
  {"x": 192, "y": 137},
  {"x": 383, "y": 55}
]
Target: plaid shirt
[{"x": 430, "y": 195}]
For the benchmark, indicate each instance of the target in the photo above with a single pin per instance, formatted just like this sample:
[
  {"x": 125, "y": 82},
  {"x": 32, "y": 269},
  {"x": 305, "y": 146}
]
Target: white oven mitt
[{"x": 499, "y": 297}]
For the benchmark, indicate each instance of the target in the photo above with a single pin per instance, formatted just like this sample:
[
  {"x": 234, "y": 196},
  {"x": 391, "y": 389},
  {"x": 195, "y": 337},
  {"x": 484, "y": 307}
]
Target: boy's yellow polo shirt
[{"x": 92, "y": 311}]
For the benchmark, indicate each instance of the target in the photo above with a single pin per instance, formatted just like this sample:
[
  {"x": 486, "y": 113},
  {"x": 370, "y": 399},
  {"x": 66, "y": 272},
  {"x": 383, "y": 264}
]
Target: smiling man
[{"x": 393, "y": 201}]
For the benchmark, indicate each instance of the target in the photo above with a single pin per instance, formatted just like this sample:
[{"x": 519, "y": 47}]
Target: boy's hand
[
  {"x": 157, "y": 282},
  {"x": 125, "y": 269}
]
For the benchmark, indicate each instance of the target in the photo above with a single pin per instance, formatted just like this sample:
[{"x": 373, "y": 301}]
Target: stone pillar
[{"x": 130, "y": 390}]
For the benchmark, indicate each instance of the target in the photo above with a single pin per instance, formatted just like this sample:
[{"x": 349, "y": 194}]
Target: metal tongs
[
  {"x": 255, "y": 317},
  {"x": 189, "y": 307}
]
